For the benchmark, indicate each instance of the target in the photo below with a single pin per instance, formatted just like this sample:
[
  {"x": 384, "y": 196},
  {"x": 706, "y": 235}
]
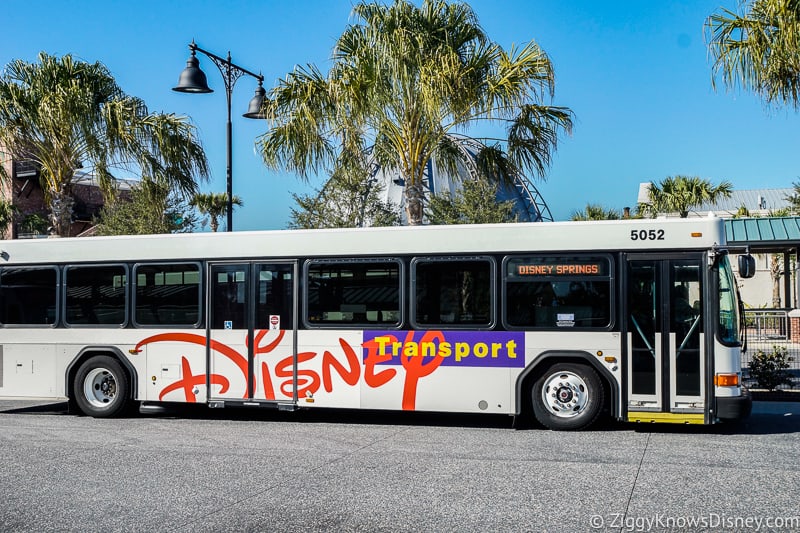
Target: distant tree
[
  {"x": 794, "y": 200},
  {"x": 151, "y": 208},
  {"x": 758, "y": 49},
  {"x": 214, "y": 205},
  {"x": 344, "y": 202},
  {"x": 679, "y": 194},
  {"x": 64, "y": 114},
  {"x": 404, "y": 76},
  {"x": 596, "y": 212},
  {"x": 782, "y": 212},
  {"x": 6, "y": 215},
  {"x": 475, "y": 203}
]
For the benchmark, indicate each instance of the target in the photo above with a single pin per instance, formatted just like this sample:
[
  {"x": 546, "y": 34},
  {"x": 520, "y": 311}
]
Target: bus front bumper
[{"x": 736, "y": 407}]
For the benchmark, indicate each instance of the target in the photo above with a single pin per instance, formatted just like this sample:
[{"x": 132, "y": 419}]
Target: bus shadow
[
  {"x": 339, "y": 416},
  {"x": 786, "y": 421},
  {"x": 757, "y": 424},
  {"x": 58, "y": 408}
]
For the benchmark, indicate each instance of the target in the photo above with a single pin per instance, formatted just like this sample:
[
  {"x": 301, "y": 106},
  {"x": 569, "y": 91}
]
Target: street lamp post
[{"x": 193, "y": 80}]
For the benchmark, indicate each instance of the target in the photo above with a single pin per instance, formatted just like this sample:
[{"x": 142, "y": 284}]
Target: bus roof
[{"x": 617, "y": 235}]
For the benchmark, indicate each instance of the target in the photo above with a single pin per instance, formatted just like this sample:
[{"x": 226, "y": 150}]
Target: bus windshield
[{"x": 728, "y": 303}]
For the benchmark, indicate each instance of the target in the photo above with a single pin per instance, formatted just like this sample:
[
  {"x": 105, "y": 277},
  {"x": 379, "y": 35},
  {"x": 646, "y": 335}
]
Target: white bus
[{"x": 559, "y": 322}]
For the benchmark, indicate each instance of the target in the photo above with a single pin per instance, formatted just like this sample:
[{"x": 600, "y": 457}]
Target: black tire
[
  {"x": 102, "y": 387},
  {"x": 567, "y": 397}
]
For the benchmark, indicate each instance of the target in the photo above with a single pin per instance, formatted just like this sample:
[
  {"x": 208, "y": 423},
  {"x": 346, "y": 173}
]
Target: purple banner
[{"x": 495, "y": 349}]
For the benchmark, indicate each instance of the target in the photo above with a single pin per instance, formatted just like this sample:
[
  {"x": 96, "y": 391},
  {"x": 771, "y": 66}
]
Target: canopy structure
[
  {"x": 764, "y": 234},
  {"x": 769, "y": 235}
]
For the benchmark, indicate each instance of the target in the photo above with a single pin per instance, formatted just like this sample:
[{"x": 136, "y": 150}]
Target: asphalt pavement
[{"x": 243, "y": 470}]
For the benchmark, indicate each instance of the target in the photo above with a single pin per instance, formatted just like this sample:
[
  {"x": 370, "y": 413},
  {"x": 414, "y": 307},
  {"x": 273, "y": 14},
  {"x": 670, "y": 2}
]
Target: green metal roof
[{"x": 767, "y": 233}]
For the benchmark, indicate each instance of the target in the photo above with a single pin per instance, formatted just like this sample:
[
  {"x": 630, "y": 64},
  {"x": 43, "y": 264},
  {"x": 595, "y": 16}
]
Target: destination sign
[
  {"x": 557, "y": 267},
  {"x": 559, "y": 270}
]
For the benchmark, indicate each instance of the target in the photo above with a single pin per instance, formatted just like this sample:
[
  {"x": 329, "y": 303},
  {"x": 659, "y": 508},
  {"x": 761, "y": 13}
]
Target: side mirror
[{"x": 747, "y": 266}]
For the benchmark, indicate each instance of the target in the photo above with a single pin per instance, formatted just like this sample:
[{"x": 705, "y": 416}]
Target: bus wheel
[
  {"x": 567, "y": 397},
  {"x": 101, "y": 387}
]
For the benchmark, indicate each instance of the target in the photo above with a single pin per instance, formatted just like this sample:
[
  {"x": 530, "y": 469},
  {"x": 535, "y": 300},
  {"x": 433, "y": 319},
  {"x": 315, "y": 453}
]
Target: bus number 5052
[{"x": 647, "y": 235}]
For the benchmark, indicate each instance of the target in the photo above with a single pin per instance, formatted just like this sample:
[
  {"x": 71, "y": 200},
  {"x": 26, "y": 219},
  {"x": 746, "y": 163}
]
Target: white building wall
[{"x": 756, "y": 292}]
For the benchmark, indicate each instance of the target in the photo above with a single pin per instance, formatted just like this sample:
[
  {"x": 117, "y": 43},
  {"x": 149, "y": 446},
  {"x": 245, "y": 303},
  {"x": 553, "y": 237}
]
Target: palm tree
[
  {"x": 64, "y": 114},
  {"x": 759, "y": 50},
  {"x": 214, "y": 205},
  {"x": 403, "y": 78},
  {"x": 678, "y": 194},
  {"x": 596, "y": 212}
]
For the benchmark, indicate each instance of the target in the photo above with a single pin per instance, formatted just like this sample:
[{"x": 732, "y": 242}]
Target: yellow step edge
[{"x": 668, "y": 418}]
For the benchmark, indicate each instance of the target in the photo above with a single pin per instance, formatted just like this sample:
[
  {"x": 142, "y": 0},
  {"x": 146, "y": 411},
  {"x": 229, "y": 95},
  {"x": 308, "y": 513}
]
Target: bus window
[
  {"x": 28, "y": 296},
  {"x": 558, "y": 292},
  {"x": 229, "y": 300},
  {"x": 167, "y": 295},
  {"x": 728, "y": 304},
  {"x": 274, "y": 295},
  {"x": 95, "y": 295},
  {"x": 452, "y": 292},
  {"x": 353, "y": 293}
]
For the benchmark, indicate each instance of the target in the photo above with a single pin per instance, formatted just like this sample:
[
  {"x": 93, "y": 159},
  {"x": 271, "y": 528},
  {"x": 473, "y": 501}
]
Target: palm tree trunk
[
  {"x": 61, "y": 206},
  {"x": 414, "y": 204},
  {"x": 775, "y": 273},
  {"x": 776, "y": 293}
]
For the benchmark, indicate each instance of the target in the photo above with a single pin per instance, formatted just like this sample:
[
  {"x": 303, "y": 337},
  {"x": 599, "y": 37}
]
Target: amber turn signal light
[{"x": 726, "y": 380}]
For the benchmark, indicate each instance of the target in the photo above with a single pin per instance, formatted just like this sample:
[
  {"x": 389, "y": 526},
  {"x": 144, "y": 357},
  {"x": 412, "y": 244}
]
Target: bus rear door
[{"x": 252, "y": 333}]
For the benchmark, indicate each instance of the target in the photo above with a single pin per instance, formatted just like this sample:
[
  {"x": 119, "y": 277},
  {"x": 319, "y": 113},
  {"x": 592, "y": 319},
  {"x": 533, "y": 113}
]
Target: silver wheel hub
[
  {"x": 565, "y": 394},
  {"x": 99, "y": 387}
]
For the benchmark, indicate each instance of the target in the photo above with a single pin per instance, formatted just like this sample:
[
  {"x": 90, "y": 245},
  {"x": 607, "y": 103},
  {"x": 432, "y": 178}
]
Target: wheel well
[
  {"x": 94, "y": 351},
  {"x": 536, "y": 369}
]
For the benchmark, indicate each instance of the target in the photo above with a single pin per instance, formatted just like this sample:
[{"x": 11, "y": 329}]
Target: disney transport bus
[{"x": 559, "y": 322}]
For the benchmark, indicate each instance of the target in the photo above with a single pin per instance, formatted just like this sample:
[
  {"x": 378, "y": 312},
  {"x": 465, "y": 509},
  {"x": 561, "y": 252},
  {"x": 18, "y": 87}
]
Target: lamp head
[
  {"x": 192, "y": 79},
  {"x": 254, "y": 109}
]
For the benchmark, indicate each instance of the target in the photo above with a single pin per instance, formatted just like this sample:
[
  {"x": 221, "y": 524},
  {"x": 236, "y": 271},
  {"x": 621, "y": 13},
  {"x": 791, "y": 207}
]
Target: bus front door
[
  {"x": 252, "y": 332},
  {"x": 666, "y": 356}
]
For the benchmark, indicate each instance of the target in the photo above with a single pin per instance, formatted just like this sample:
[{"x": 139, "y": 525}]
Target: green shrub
[
  {"x": 34, "y": 223},
  {"x": 769, "y": 369}
]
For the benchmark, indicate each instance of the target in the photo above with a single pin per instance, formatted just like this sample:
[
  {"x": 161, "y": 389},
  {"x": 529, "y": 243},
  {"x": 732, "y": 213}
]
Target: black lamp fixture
[
  {"x": 254, "y": 109},
  {"x": 193, "y": 80}
]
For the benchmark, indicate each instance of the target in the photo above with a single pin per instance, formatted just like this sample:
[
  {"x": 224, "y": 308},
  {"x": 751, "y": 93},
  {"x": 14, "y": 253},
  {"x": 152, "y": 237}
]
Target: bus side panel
[
  {"x": 329, "y": 368},
  {"x": 29, "y": 370},
  {"x": 470, "y": 373},
  {"x": 462, "y": 390},
  {"x": 175, "y": 370},
  {"x": 273, "y": 366},
  {"x": 441, "y": 370}
]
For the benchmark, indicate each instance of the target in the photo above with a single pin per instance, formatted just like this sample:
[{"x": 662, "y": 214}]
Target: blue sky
[{"x": 636, "y": 73}]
